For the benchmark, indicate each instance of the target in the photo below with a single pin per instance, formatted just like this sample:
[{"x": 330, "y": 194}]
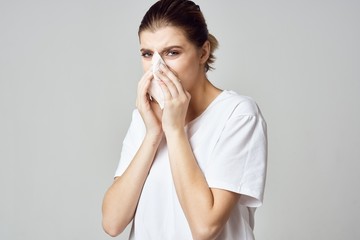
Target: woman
[{"x": 196, "y": 168}]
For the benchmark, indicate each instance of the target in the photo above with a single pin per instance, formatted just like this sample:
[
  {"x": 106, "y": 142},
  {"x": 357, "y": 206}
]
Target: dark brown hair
[{"x": 185, "y": 15}]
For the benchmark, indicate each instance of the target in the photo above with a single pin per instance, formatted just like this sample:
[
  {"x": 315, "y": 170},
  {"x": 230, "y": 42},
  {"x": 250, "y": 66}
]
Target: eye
[
  {"x": 146, "y": 54},
  {"x": 172, "y": 53}
]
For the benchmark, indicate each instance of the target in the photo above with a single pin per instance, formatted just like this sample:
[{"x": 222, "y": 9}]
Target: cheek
[
  {"x": 177, "y": 69},
  {"x": 180, "y": 68},
  {"x": 184, "y": 70},
  {"x": 187, "y": 73},
  {"x": 146, "y": 65}
]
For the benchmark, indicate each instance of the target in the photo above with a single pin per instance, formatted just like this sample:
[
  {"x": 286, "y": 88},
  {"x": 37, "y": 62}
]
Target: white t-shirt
[{"x": 229, "y": 141}]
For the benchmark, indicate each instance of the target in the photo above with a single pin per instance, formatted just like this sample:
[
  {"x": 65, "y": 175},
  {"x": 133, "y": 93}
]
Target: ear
[{"x": 205, "y": 52}]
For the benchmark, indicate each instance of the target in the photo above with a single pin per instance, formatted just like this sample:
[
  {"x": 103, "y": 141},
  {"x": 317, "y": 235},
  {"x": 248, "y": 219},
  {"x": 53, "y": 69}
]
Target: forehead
[{"x": 162, "y": 38}]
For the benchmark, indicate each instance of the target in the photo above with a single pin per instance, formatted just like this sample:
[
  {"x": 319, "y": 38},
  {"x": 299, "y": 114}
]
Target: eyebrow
[{"x": 163, "y": 50}]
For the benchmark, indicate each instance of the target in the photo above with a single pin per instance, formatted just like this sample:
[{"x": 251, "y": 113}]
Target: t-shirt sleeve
[
  {"x": 131, "y": 142},
  {"x": 239, "y": 158}
]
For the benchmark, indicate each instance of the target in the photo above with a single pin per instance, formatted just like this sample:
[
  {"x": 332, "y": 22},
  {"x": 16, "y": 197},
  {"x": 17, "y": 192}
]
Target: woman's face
[{"x": 181, "y": 56}]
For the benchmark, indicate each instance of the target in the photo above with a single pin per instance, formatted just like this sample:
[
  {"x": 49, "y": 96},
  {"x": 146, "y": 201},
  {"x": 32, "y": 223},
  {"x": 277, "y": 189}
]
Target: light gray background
[{"x": 68, "y": 76}]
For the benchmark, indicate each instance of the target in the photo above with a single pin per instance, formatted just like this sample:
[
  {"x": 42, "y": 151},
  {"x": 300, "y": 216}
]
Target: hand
[
  {"x": 177, "y": 100},
  {"x": 149, "y": 110}
]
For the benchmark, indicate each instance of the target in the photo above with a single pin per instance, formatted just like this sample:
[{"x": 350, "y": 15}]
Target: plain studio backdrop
[{"x": 68, "y": 78}]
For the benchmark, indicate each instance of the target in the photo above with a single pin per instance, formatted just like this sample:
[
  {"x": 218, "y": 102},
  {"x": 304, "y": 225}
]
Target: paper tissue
[{"x": 155, "y": 90}]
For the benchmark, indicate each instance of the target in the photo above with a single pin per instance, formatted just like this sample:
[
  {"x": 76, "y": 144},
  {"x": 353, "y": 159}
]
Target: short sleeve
[
  {"x": 239, "y": 158},
  {"x": 131, "y": 142}
]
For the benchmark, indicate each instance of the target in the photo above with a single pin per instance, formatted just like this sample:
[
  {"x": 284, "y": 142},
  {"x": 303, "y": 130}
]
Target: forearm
[
  {"x": 121, "y": 199},
  {"x": 195, "y": 196}
]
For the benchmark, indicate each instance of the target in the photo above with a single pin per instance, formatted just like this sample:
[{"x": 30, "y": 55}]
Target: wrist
[
  {"x": 175, "y": 133},
  {"x": 154, "y": 137}
]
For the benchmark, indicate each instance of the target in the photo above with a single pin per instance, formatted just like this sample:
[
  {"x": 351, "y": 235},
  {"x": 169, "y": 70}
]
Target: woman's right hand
[
  {"x": 120, "y": 200},
  {"x": 149, "y": 110}
]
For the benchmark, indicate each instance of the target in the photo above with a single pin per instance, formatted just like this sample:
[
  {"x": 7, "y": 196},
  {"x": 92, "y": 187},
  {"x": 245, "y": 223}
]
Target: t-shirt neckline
[{"x": 215, "y": 100}]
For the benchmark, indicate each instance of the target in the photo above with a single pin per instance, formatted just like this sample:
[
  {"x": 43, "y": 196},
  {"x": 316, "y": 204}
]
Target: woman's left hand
[{"x": 177, "y": 100}]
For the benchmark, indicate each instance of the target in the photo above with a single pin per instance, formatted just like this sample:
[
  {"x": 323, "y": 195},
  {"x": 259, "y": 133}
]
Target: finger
[
  {"x": 145, "y": 79},
  {"x": 172, "y": 77},
  {"x": 144, "y": 83},
  {"x": 165, "y": 89},
  {"x": 169, "y": 84},
  {"x": 143, "y": 86}
]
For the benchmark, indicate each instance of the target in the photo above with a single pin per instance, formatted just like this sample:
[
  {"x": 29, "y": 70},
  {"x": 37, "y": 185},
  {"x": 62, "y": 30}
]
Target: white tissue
[{"x": 155, "y": 90}]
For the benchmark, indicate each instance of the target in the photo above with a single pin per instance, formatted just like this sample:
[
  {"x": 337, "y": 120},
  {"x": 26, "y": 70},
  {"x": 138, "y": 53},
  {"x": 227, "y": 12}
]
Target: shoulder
[{"x": 241, "y": 105}]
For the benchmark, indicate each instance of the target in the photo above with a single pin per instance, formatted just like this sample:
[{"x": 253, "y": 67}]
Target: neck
[{"x": 201, "y": 97}]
